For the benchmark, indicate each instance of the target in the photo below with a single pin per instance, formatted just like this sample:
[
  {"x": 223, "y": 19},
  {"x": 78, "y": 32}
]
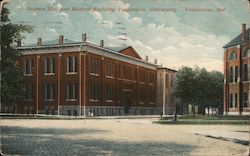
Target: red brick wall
[{"x": 61, "y": 77}]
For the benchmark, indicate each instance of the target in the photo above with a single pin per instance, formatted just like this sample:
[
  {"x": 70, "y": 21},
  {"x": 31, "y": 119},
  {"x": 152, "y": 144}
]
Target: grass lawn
[{"x": 207, "y": 120}]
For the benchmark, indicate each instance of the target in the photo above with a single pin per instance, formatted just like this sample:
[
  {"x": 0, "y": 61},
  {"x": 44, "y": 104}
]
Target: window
[
  {"x": 109, "y": 93},
  {"x": 94, "y": 65},
  {"x": 28, "y": 66},
  {"x": 142, "y": 95},
  {"x": 236, "y": 100},
  {"x": 49, "y": 92},
  {"x": 171, "y": 80},
  {"x": 246, "y": 52},
  {"x": 72, "y": 92},
  {"x": 109, "y": 69},
  {"x": 71, "y": 64},
  {"x": 151, "y": 95},
  {"x": 134, "y": 74},
  {"x": 29, "y": 92},
  {"x": 231, "y": 101},
  {"x": 151, "y": 78},
  {"x": 167, "y": 80},
  {"x": 245, "y": 72},
  {"x": 245, "y": 100},
  {"x": 142, "y": 76},
  {"x": 235, "y": 73},
  {"x": 231, "y": 74},
  {"x": 233, "y": 56},
  {"x": 119, "y": 71},
  {"x": 93, "y": 91},
  {"x": 49, "y": 65}
]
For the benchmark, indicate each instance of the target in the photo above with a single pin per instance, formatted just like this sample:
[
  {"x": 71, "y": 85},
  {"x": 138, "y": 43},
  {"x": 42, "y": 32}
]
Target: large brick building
[
  {"x": 237, "y": 74},
  {"x": 80, "y": 78}
]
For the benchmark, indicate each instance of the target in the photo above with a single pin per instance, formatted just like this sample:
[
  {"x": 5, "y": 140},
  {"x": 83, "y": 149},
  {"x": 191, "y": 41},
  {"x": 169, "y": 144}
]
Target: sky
[{"x": 176, "y": 32}]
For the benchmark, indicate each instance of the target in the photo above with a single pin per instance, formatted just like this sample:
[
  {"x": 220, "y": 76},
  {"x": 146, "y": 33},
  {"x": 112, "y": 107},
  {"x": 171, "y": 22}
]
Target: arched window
[
  {"x": 246, "y": 52},
  {"x": 245, "y": 100},
  {"x": 245, "y": 72},
  {"x": 231, "y": 74},
  {"x": 233, "y": 56},
  {"x": 235, "y": 73},
  {"x": 231, "y": 101},
  {"x": 236, "y": 100}
]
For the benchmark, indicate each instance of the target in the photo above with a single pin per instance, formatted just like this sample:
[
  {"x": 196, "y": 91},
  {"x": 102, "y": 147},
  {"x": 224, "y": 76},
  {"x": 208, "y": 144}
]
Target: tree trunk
[
  {"x": 208, "y": 109},
  {"x": 193, "y": 109}
]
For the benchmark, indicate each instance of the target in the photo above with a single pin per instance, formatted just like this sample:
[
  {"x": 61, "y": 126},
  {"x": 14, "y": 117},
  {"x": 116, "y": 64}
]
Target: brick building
[
  {"x": 165, "y": 86},
  {"x": 80, "y": 78},
  {"x": 237, "y": 74}
]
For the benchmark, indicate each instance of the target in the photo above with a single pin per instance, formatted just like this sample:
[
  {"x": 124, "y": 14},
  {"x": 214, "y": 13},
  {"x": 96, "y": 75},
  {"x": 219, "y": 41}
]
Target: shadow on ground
[{"x": 38, "y": 141}]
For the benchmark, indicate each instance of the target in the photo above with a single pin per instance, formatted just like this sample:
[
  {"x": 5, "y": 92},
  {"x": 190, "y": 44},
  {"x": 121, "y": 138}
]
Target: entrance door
[{"x": 126, "y": 100}]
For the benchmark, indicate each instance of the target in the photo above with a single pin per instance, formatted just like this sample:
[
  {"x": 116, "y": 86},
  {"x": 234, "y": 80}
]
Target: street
[{"x": 119, "y": 137}]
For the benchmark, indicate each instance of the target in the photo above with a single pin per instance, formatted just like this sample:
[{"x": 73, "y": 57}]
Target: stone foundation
[{"x": 108, "y": 111}]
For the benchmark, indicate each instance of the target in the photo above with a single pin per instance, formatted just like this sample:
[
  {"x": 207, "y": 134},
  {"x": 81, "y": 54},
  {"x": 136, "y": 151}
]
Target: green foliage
[
  {"x": 199, "y": 87},
  {"x": 12, "y": 87}
]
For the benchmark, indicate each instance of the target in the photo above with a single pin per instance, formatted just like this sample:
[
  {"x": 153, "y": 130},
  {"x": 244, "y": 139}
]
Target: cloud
[
  {"x": 136, "y": 20},
  {"x": 63, "y": 14},
  {"x": 97, "y": 15},
  {"x": 51, "y": 30},
  {"x": 107, "y": 23},
  {"x": 176, "y": 39},
  {"x": 175, "y": 49}
]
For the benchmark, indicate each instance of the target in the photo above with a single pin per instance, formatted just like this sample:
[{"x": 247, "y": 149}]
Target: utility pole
[{"x": 164, "y": 94}]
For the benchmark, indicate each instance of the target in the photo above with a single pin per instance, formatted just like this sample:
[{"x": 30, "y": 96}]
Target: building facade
[
  {"x": 237, "y": 74},
  {"x": 80, "y": 78}
]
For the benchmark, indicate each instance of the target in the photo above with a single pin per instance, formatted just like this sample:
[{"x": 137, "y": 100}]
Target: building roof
[
  {"x": 115, "y": 51},
  {"x": 118, "y": 48},
  {"x": 53, "y": 47},
  {"x": 237, "y": 40},
  {"x": 52, "y": 42},
  {"x": 168, "y": 69}
]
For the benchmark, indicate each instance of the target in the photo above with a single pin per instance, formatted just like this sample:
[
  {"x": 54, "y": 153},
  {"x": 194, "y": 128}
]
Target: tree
[
  {"x": 12, "y": 87},
  {"x": 184, "y": 85},
  {"x": 199, "y": 87}
]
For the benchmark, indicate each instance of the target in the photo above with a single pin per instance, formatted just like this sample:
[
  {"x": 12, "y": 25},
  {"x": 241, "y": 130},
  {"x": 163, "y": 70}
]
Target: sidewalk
[{"x": 65, "y": 117}]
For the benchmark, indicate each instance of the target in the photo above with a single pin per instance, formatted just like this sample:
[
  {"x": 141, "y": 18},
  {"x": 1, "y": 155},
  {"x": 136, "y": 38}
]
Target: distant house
[{"x": 237, "y": 74}]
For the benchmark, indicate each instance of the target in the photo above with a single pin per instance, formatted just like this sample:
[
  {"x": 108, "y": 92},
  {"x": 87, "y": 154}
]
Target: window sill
[
  {"x": 109, "y": 77},
  {"x": 92, "y": 100},
  {"x": 93, "y": 74},
  {"x": 49, "y": 100},
  {"x": 28, "y": 74},
  {"x": 49, "y": 74},
  {"x": 71, "y": 100},
  {"x": 141, "y": 103},
  {"x": 247, "y": 81},
  {"x": 71, "y": 73},
  {"x": 109, "y": 101}
]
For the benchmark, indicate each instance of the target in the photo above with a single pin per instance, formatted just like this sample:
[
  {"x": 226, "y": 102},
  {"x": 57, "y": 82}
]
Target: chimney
[
  {"x": 39, "y": 41},
  {"x": 101, "y": 43},
  {"x": 155, "y": 61},
  {"x": 146, "y": 57},
  {"x": 84, "y": 37},
  {"x": 243, "y": 32},
  {"x": 19, "y": 43},
  {"x": 61, "y": 39}
]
